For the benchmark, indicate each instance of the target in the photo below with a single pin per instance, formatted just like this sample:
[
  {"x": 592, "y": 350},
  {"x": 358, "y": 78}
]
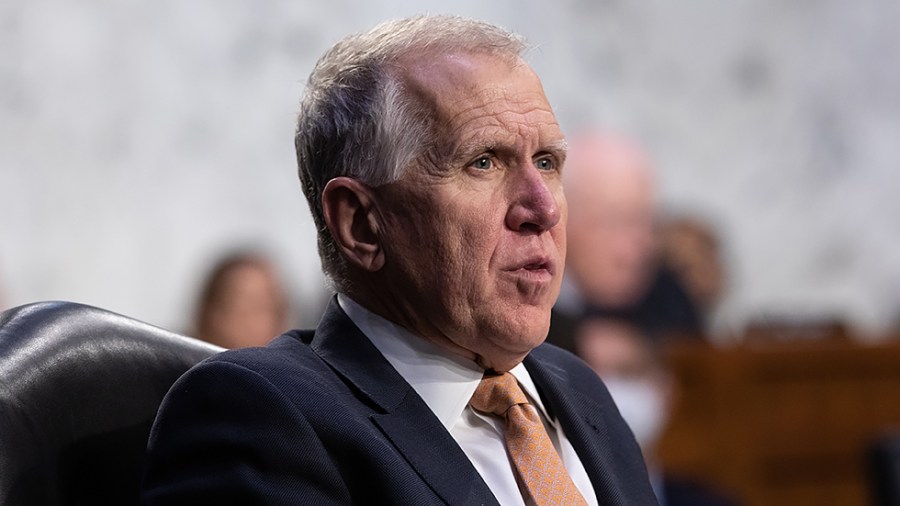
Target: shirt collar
[{"x": 445, "y": 381}]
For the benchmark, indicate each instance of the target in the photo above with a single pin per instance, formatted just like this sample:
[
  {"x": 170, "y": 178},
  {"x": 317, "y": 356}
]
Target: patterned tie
[{"x": 538, "y": 465}]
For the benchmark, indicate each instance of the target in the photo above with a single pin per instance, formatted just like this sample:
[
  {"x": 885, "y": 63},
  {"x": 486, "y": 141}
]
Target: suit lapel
[
  {"x": 430, "y": 449},
  {"x": 582, "y": 422},
  {"x": 402, "y": 415}
]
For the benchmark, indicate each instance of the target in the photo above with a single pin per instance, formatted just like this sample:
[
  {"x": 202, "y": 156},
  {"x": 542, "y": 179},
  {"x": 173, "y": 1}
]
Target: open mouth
[
  {"x": 537, "y": 266},
  {"x": 536, "y": 269}
]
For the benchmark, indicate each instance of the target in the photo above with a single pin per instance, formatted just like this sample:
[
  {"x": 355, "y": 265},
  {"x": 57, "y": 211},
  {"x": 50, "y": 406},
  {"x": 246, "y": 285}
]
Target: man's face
[
  {"x": 611, "y": 229},
  {"x": 475, "y": 232}
]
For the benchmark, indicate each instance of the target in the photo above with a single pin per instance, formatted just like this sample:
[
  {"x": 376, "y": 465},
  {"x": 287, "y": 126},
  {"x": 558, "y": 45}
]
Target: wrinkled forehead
[{"x": 483, "y": 94}]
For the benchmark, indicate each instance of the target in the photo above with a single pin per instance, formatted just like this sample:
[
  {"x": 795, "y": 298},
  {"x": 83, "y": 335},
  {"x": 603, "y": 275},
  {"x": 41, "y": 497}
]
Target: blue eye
[
  {"x": 544, "y": 164},
  {"x": 482, "y": 163}
]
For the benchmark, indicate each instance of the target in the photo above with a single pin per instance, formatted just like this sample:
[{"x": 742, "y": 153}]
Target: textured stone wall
[{"x": 140, "y": 139}]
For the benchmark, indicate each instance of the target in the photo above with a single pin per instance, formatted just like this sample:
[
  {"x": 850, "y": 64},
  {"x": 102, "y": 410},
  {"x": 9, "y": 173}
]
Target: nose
[{"x": 534, "y": 207}]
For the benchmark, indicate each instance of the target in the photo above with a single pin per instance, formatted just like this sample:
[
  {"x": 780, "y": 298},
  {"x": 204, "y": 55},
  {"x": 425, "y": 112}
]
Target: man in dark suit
[{"x": 431, "y": 162}]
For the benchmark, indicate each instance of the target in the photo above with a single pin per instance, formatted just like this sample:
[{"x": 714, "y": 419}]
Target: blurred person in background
[
  {"x": 610, "y": 188},
  {"x": 612, "y": 267},
  {"x": 643, "y": 389},
  {"x": 242, "y": 302},
  {"x": 690, "y": 248}
]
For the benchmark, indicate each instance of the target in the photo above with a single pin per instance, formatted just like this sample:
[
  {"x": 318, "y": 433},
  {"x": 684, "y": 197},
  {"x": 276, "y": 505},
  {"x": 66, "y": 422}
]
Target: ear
[{"x": 351, "y": 218}]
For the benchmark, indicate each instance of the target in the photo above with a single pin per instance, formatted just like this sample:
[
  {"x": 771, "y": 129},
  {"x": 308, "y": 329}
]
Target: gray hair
[{"x": 356, "y": 118}]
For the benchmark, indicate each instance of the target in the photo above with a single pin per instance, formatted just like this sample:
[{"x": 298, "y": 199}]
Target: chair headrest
[{"x": 79, "y": 388}]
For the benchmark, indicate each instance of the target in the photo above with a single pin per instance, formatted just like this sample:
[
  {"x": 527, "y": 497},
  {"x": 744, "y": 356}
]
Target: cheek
[
  {"x": 563, "y": 225},
  {"x": 560, "y": 237},
  {"x": 473, "y": 228},
  {"x": 438, "y": 253}
]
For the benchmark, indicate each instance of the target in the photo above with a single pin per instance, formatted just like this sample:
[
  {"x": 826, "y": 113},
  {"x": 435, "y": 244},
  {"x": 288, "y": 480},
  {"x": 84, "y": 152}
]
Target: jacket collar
[{"x": 401, "y": 414}]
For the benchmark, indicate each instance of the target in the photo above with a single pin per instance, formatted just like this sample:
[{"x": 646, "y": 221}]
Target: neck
[{"x": 404, "y": 314}]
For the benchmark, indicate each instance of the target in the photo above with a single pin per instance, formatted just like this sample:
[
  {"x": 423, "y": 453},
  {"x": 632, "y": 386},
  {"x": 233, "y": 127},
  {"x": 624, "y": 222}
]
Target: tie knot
[{"x": 497, "y": 393}]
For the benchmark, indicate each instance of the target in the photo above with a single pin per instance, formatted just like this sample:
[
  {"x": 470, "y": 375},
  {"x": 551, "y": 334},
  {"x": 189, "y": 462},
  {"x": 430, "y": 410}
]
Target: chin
[
  {"x": 528, "y": 336},
  {"x": 515, "y": 329},
  {"x": 508, "y": 349},
  {"x": 534, "y": 319}
]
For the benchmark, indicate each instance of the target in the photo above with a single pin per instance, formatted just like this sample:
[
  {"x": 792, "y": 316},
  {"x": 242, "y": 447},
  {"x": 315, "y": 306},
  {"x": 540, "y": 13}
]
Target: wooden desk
[{"x": 783, "y": 424}]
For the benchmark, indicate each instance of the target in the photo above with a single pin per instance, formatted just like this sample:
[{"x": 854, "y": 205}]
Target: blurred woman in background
[{"x": 242, "y": 303}]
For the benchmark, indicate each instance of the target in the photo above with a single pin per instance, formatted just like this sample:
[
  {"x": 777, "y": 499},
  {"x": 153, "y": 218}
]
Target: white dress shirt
[{"x": 446, "y": 382}]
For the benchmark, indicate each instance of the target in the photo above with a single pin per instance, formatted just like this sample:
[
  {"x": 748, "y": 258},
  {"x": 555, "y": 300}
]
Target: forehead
[{"x": 480, "y": 95}]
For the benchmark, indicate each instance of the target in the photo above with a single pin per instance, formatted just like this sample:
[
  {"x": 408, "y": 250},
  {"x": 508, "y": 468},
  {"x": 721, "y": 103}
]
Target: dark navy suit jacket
[{"x": 322, "y": 418}]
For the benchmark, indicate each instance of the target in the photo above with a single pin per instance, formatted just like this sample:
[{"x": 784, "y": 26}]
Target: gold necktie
[{"x": 538, "y": 465}]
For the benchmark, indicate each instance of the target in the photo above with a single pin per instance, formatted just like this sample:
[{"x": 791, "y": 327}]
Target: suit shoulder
[
  {"x": 288, "y": 359},
  {"x": 288, "y": 346}
]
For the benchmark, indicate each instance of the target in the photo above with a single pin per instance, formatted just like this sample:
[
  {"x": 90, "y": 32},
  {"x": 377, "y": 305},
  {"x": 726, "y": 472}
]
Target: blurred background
[
  {"x": 142, "y": 142},
  {"x": 138, "y": 141}
]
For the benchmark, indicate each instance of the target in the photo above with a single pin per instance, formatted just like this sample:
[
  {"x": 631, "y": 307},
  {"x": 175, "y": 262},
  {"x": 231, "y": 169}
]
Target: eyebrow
[
  {"x": 470, "y": 148},
  {"x": 559, "y": 148}
]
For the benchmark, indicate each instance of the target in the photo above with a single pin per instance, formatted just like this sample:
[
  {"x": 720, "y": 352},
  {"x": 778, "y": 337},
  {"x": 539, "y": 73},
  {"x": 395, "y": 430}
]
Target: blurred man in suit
[
  {"x": 432, "y": 162},
  {"x": 611, "y": 190},
  {"x": 612, "y": 265}
]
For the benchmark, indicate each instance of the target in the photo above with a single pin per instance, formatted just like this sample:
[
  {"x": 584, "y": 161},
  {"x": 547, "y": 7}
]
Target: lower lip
[{"x": 533, "y": 275}]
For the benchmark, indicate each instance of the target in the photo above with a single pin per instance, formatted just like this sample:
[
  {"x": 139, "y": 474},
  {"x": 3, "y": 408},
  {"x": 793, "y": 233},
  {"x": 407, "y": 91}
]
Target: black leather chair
[
  {"x": 79, "y": 388},
  {"x": 884, "y": 470}
]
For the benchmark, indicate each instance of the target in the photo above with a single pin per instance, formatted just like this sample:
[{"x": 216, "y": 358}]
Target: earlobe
[{"x": 350, "y": 216}]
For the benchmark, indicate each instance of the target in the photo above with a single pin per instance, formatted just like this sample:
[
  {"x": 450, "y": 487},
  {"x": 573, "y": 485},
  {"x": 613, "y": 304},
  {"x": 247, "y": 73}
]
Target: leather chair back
[
  {"x": 79, "y": 389},
  {"x": 884, "y": 470}
]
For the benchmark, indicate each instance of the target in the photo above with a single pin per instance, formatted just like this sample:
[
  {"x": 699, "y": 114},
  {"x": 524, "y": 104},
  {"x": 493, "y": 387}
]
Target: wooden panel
[{"x": 783, "y": 424}]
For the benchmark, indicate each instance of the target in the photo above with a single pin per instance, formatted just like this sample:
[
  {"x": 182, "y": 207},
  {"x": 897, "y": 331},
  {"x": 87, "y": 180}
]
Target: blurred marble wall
[{"x": 138, "y": 140}]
